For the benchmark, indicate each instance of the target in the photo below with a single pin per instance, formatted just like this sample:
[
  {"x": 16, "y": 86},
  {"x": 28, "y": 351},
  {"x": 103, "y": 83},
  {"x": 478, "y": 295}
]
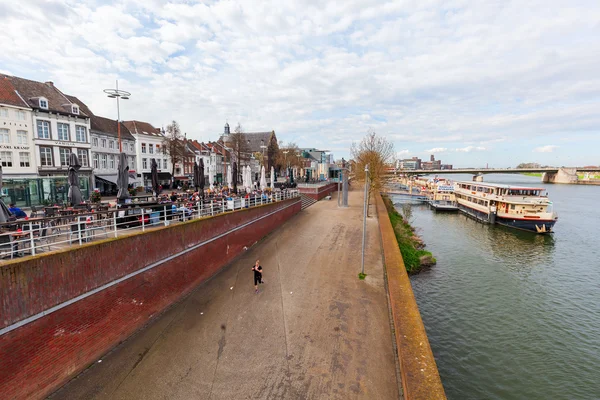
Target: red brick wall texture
[
  {"x": 319, "y": 193},
  {"x": 38, "y": 357}
]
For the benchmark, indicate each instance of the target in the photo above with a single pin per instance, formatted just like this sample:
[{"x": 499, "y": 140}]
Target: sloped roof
[
  {"x": 142, "y": 128},
  {"x": 257, "y": 139},
  {"x": 31, "y": 91},
  {"x": 100, "y": 124},
  {"x": 8, "y": 93},
  {"x": 109, "y": 127}
]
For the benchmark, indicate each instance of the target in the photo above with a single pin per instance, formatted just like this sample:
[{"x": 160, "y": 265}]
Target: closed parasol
[
  {"x": 74, "y": 196},
  {"x": 123, "y": 178},
  {"x": 154, "y": 176}
]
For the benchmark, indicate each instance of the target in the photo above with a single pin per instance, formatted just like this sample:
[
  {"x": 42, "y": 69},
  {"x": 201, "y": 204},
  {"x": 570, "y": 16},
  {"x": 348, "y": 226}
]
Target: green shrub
[{"x": 405, "y": 237}]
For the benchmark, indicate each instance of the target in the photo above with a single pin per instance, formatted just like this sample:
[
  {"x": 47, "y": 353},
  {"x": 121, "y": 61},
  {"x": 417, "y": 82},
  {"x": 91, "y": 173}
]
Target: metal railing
[{"x": 34, "y": 235}]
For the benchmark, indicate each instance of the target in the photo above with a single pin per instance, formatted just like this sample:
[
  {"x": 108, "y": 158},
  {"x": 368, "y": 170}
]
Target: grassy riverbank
[
  {"x": 537, "y": 174},
  {"x": 411, "y": 246}
]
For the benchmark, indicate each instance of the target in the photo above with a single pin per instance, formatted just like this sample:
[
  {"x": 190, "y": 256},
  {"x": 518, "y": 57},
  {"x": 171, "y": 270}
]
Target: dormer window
[
  {"x": 43, "y": 103},
  {"x": 75, "y": 109}
]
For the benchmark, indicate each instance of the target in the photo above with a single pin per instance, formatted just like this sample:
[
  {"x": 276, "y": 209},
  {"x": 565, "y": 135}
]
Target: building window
[
  {"x": 46, "y": 156},
  {"x": 63, "y": 132},
  {"x": 151, "y": 148},
  {"x": 103, "y": 161},
  {"x": 43, "y": 103},
  {"x": 104, "y": 143},
  {"x": 132, "y": 161},
  {"x": 43, "y": 128},
  {"x": 3, "y": 112},
  {"x": 64, "y": 154},
  {"x": 143, "y": 147},
  {"x": 83, "y": 157},
  {"x": 132, "y": 148},
  {"x": 75, "y": 109},
  {"x": 165, "y": 166},
  {"x": 6, "y": 158},
  {"x": 95, "y": 141},
  {"x": 24, "y": 159},
  {"x": 96, "y": 160},
  {"x": 21, "y": 137},
  {"x": 158, "y": 149},
  {"x": 144, "y": 163},
  {"x": 111, "y": 162},
  {"x": 80, "y": 133},
  {"x": 111, "y": 144},
  {"x": 4, "y": 136},
  {"x": 21, "y": 116}
]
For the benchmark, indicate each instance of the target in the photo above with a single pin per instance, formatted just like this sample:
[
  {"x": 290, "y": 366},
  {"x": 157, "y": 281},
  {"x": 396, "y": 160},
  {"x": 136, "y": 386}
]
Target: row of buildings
[
  {"x": 40, "y": 126},
  {"x": 415, "y": 163}
]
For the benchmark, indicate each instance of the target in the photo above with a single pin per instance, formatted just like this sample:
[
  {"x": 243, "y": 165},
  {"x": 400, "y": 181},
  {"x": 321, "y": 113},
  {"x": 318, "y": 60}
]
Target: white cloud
[
  {"x": 545, "y": 149},
  {"x": 402, "y": 153},
  {"x": 469, "y": 149},
  {"x": 417, "y": 72},
  {"x": 437, "y": 150}
]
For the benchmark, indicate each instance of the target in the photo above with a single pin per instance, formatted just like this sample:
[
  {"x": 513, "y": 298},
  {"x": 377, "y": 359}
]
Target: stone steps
[{"x": 307, "y": 201}]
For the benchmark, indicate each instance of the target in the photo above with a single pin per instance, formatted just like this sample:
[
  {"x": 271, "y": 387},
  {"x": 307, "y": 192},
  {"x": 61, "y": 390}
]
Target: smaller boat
[{"x": 442, "y": 198}]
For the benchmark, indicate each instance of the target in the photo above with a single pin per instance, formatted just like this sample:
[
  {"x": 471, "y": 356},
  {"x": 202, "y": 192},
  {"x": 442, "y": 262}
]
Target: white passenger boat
[
  {"x": 526, "y": 208},
  {"x": 442, "y": 198}
]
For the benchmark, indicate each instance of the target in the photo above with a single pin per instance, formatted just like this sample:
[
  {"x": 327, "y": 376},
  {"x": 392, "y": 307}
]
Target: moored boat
[
  {"x": 442, "y": 198},
  {"x": 526, "y": 208}
]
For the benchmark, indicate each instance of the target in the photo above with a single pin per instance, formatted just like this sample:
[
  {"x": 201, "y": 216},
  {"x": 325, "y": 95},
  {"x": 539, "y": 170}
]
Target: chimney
[
  {"x": 49, "y": 83},
  {"x": 432, "y": 158}
]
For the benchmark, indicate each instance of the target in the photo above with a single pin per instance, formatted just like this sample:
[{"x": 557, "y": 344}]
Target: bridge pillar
[
  {"x": 548, "y": 177},
  {"x": 566, "y": 175}
]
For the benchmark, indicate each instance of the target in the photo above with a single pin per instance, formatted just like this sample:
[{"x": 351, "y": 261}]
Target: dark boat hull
[{"x": 530, "y": 225}]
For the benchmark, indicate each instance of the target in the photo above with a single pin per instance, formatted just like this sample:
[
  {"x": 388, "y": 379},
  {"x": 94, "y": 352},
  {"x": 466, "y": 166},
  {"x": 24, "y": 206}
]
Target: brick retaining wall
[
  {"x": 39, "y": 356},
  {"x": 318, "y": 193}
]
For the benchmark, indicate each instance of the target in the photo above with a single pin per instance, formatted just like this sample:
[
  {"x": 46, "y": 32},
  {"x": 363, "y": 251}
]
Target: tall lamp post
[
  {"x": 263, "y": 147},
  {"x": 287, "y": 172},
  {"x": 365, "y": 217},
  {"x": 118, "y": 94}
]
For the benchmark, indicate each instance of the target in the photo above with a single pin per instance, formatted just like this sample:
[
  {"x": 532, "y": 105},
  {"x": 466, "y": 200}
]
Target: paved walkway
[{"x": 315, "y": 331}]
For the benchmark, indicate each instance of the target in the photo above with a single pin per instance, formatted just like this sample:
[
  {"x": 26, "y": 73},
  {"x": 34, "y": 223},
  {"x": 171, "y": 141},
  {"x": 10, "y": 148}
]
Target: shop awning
[{"x": 108, "y": 178}]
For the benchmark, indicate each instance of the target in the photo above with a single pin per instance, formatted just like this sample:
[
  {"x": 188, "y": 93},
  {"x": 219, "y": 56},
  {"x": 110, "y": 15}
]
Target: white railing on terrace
[{"x": 71, "y": 228}]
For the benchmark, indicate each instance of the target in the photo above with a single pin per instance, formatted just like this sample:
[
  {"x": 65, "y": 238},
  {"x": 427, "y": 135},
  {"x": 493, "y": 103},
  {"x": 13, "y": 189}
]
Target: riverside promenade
[{"x": 315, "y": 331}]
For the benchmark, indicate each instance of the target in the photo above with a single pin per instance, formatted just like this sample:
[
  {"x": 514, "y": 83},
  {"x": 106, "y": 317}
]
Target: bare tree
[
  {"x": 287, "y": 155},
  {"x": 377, "y": 152},
  {"x": 238, "y": 142},
  {"x": 174, "y": 145}
]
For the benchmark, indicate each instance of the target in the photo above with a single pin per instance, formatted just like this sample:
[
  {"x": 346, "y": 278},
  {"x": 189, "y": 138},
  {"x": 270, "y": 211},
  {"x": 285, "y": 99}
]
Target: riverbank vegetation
[
  {"x": 410, "y": 244},
  {"x": 537, "y": 174}
]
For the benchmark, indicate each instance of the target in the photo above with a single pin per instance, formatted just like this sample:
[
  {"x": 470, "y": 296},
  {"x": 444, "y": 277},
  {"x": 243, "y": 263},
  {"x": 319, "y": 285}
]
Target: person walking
[{"x": 257, "y": 275}]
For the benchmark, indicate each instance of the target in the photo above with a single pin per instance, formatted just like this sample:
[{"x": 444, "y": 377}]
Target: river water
[{"x": 511, "y": 314}]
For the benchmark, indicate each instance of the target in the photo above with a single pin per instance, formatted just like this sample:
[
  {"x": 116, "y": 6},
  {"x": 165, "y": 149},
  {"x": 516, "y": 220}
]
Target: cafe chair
[
  {"x": 43, "y": 239},
  {"x": 6, "y": 246}
]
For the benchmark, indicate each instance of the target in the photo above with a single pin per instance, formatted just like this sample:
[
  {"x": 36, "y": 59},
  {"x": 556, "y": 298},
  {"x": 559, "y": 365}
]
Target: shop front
[{"x": 27, "y": 192}]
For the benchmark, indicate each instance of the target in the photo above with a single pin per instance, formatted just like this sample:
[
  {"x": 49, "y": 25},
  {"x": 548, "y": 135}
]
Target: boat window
[
  {"x": 486, "y": 203},
  {"x": 512, "y": 206}
]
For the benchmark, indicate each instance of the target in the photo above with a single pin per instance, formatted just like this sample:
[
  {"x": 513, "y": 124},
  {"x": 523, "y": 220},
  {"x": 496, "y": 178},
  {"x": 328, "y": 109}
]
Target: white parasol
[{"x": 263, "y": 179}]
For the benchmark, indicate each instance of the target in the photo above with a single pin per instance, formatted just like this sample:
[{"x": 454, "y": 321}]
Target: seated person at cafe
[{"x": 17, "y": 212}]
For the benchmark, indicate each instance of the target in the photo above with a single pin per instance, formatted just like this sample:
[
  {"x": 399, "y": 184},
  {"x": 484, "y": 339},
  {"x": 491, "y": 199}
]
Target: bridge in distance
[{"x": 549, "y": 175}]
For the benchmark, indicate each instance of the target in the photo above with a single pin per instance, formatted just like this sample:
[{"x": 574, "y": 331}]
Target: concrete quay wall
[
  {"x": 418, "y": 369},
  {"x": 61, "y": 311}
]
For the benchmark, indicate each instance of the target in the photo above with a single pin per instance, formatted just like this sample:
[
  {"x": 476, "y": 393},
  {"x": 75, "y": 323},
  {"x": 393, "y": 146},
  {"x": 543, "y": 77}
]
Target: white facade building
[
  {"x": 17, "y": 155},
  {"x": 149, "y": 143}
]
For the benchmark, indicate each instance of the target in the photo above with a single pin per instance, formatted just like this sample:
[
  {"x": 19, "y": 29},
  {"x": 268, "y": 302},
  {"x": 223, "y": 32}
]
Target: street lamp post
[
  {"x": 118, "y": 94},
  {"x": 365, "y": 217},
  {"x": 287, "y": 172}
]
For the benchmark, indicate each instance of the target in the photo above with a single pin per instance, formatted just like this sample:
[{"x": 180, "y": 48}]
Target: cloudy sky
[{"x": 474, "y": 82}]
